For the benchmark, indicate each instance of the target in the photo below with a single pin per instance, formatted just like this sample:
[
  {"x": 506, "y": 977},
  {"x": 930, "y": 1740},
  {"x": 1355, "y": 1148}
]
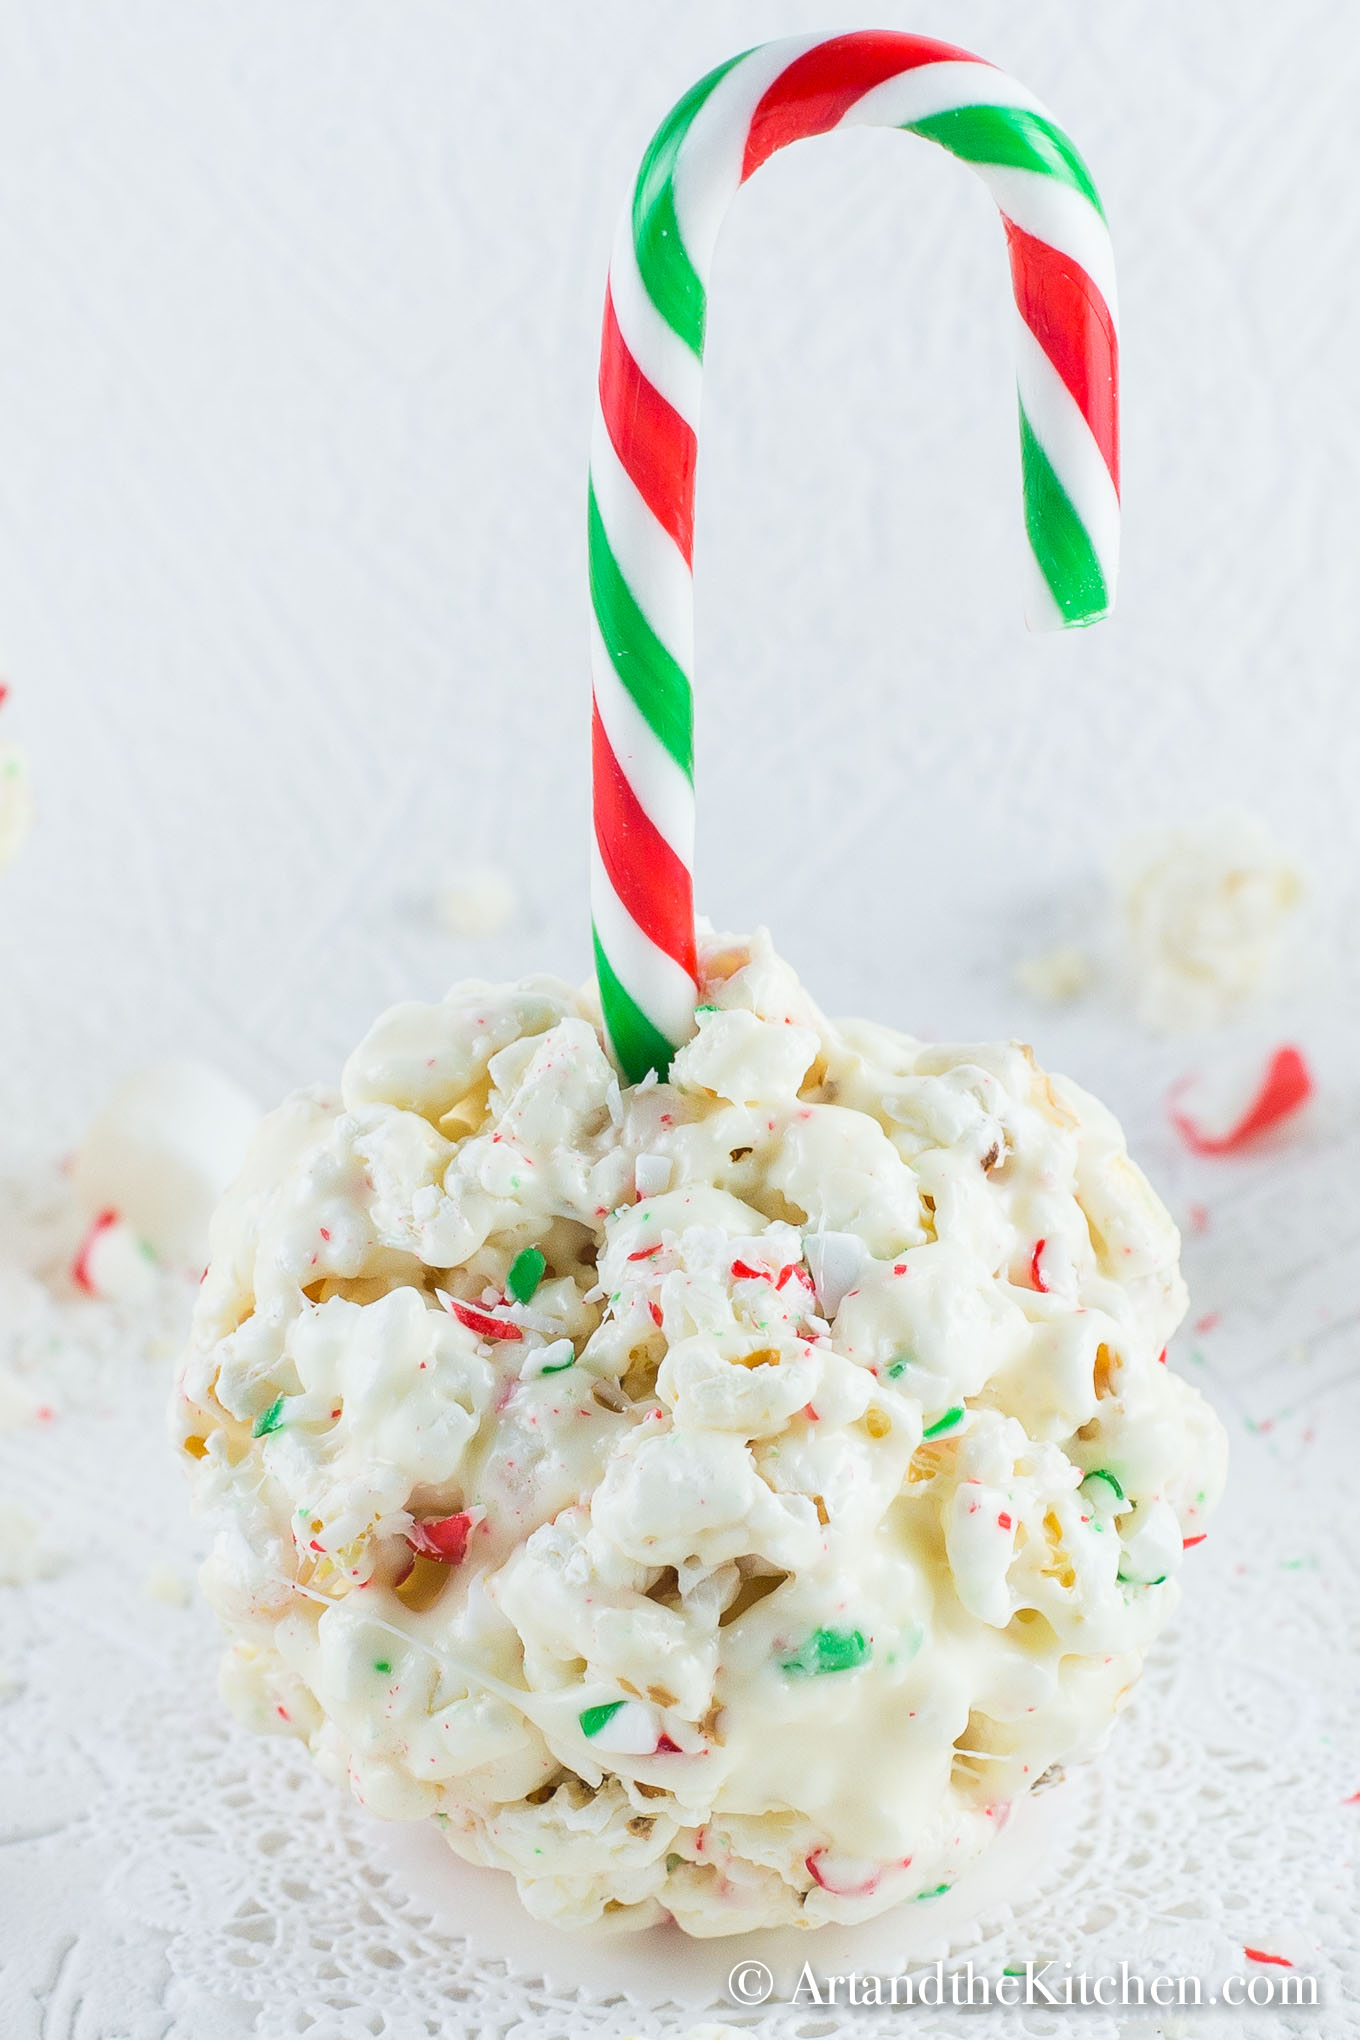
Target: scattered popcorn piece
[
  {"x": 167, "y": 1584},
  {"x": 161, "y": 1153},
  {"x": 1227, "y": 1108},
  {"x": 1058, "y": 975},
  {"x": 1204, "y": 910},
  {"x": 16, "y": 802},
  {"x": 477, "y": 900},
  {"x": 24, "y": 1553}
]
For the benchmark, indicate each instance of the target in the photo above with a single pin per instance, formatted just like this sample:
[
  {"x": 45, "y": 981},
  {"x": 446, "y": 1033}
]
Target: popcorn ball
[{"x": 718, "y": 1499}]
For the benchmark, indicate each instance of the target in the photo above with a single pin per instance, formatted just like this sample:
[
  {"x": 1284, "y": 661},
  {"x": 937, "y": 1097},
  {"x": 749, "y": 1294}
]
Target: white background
[
  {"x": 299, "y": 303},
  {"x": 300, "y": 310}
]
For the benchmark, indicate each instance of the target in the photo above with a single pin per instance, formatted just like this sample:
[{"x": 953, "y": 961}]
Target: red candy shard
[
  {"x": 80, "y": 1267},
  {"x": 812, "y": 1864},
  {"x": 1188, "y": 1542},
  {"x": 744, "y": 1272},
  {"x": 667, "y": 1748},
  {"x": 482, "y": 1323},
  {"x": 1036, "y": 1280},
  {"x": 1259, "y": 1955},
  {"x": 1274, "y": 1093},
  {"x": 444, "y": 1538}
]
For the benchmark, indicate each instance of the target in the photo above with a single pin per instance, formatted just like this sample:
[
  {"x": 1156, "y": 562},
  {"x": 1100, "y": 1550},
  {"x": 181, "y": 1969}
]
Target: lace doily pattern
[{"x": 168, "y": 1877}]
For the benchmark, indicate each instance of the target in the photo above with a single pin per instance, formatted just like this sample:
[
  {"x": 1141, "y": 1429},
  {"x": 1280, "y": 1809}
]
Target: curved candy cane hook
[{"x": 641, "y": 508}]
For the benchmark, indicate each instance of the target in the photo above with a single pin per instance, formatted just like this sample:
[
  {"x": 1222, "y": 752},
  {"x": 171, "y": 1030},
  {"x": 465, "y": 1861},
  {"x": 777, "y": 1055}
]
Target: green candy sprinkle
[
  {"x": 828, "y": 1650},
  {"x": 268, "y": 1420},
  {"x": 526, "y": 1272},
  {"x": 944, "y": 1423},
  {"x": 895, "y": 1368},
  {"x": 561, "y": 1366},
  {"x": 708, "y": 1009},
  {"x": 1101, "y": 1473},
  {"x": 382, "y": 1664},
  {"x": 938, "y": 1892},
  {"x": 593, "y": 1719}
]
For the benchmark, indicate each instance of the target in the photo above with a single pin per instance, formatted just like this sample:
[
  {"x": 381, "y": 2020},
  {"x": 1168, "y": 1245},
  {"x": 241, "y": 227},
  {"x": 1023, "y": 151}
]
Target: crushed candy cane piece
[
  {"x": 479, "y": 1321},
  {"x": 828, "y": 1650},
  {"x": 836, "y": 1262},
  {"x": 444, "y": 1538},
  {"x": 111, "y": 1263},
  {"x": 550, "y": 1359},
  {"x": 629, "y": 1729},
  {"x": 1222, "y": 1113},
  {"x": 526, "y": 1272}
]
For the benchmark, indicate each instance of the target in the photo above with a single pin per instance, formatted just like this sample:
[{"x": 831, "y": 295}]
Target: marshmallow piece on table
[{"x": 159, "y": 1156}]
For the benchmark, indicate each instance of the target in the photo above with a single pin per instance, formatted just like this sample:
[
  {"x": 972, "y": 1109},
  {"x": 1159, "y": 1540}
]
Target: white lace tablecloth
[{"x": 164, "y": 1876}]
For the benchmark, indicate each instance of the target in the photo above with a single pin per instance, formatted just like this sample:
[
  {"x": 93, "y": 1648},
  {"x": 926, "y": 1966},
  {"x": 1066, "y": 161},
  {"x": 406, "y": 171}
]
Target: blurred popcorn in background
[
  {"x": 1204, "y": 910},
  {"x": 476, "y": 899},
  {"x": 16, "y": 802}
]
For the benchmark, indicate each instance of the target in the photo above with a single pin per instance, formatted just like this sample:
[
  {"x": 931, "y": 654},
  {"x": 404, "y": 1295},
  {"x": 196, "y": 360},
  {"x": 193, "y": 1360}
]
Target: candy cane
[{"x": 641, "y": 507}]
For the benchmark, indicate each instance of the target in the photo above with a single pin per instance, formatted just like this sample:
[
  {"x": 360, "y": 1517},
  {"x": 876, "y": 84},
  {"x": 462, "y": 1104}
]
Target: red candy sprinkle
[
  {"x": 445, "y": 1538},
  {"x": 1259, "y": 1955},
  {"x": 481, "y": 1323},
  {"x": 645, "y": 1253},
  {"x": 1036, "y": 1280},
  {"x": 1005, "y": 1522},
  {"x": 655, "y": 1309},
  {"x": 1187, "y": 1542}
]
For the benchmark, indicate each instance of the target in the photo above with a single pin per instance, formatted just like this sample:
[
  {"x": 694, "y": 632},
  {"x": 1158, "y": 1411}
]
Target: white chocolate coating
[{"x": 806, "y": 1513}]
